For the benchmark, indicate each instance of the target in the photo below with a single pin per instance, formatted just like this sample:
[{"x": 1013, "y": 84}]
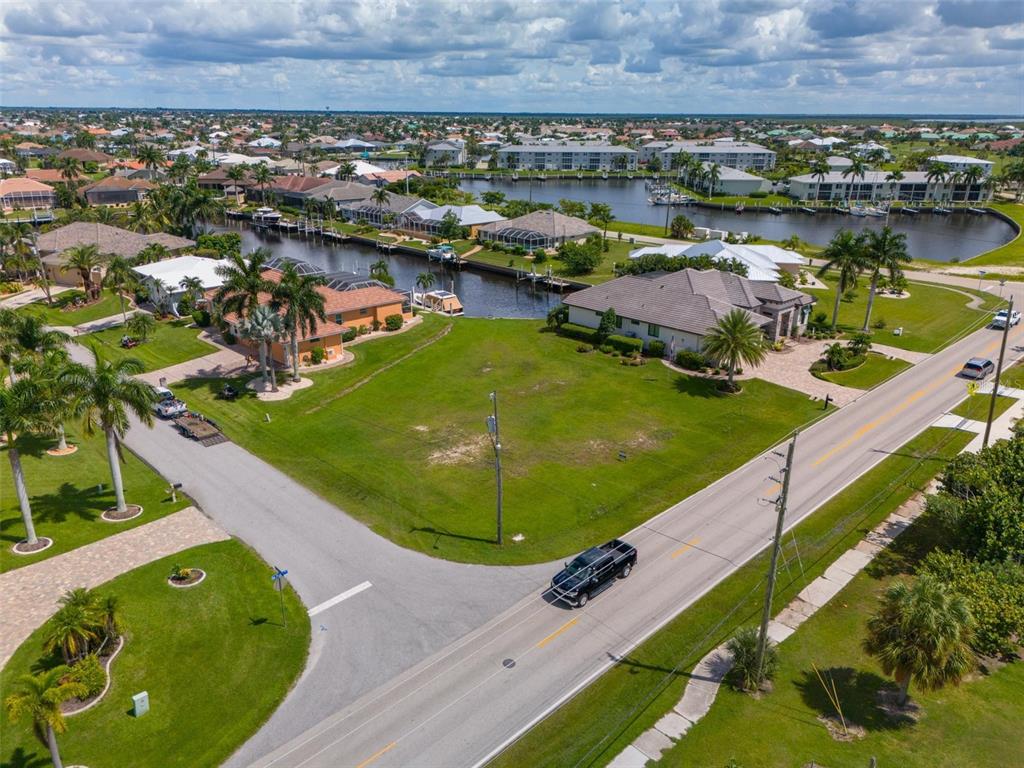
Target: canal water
[
  {"x": 958, "y": 236},
  {"x": 483, "y": 294}
]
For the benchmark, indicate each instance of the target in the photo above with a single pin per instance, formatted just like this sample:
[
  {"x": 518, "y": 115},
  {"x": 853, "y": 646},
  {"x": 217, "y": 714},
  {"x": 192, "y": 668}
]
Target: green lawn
[
  {"x": 1011, "y": 254},
  {"x": 606, "y": 716},
  {"x": 66, "y": 503},
  {"x": 931, "y": 317},
  {"x": 408, "y": 453},
  {"x": 172, "y": 342},
  {"x": 214, "y": 658},
  {"x": 873, "y": 371},
  {"x": 618, "y": 251},
  {"x": 975, "y": 724},
  {"x": 107, "y": 306},
  {"x": 976, "y": 407}
]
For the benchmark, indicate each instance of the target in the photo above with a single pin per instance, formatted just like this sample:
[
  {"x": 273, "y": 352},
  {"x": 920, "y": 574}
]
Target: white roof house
[
  {"x": 171, "y": 272},
  {"x": 962, "y": 162},
  {"x": 763, "y": 262},
  {"x": 468, "y": 215},
  {"x": 7, "y": 166},
  {"x": 265, "y": 142}
]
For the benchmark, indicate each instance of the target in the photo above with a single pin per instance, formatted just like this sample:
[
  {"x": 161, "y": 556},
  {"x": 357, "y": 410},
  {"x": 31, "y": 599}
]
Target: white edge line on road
[{"x": 340, "y": 598}]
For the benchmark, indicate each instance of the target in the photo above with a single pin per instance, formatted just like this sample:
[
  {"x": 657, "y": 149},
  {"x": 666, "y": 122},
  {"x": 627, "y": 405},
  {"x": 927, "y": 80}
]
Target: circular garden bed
[
  {"x": 112, "y": 515},
  {"x": 183, "y": 578},
  {"x": 24, "y": 548}
]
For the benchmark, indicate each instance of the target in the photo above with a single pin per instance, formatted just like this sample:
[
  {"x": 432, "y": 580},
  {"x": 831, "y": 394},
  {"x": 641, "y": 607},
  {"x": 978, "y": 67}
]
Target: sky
[{"x": 587, "y": 56}]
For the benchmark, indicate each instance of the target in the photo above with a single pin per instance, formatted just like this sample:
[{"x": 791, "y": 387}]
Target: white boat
[
  {"x": 670, "y": 198},
  {"x": 266, "y": 216},
  {"x": 873, "y": 211},
  {"x": 774, "y": 209},
  {"x": 908, "y": 210},
  {"x": 976, "y": 211},
  {"x": 940, "y": 210},
  {"x": 443, "y": 253},
  {"x": 807, "y": 209},
  {"x": 438, "y": 301},
  {"x": 857, "y": 210}
]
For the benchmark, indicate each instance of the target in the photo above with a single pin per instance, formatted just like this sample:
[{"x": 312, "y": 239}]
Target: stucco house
[{"x": 679, "y": 308}]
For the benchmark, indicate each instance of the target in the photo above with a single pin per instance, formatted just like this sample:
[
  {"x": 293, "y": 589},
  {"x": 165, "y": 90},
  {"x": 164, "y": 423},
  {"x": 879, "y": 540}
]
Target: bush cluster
[
  {"x": 349, "y": 334},
  {"x": 393, "y": 322},
  {"x": 623, "y": 344},
  {"x": 201, "y": 318},
  {"x": 90, "y": 673},
  {"x": 691, "y": 361},
  {"x": 655, "y": 348},
  {"x": 317, "y": 355}
]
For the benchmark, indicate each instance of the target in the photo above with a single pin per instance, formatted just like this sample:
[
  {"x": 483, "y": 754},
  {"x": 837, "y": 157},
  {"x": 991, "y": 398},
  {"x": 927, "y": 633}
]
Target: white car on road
[{"x": 1003, "y": 316}]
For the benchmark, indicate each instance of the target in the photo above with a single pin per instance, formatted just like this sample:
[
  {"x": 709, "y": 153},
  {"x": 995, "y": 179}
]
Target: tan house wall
[
  {"x": 355, "y": 317},
  {"x": 280, "y": 352}
]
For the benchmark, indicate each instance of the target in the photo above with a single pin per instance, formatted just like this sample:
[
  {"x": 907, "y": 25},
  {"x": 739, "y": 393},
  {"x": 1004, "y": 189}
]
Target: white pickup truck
[
  {"x": 167, "y": 406},
  {"x": 1003, "y": 317}
]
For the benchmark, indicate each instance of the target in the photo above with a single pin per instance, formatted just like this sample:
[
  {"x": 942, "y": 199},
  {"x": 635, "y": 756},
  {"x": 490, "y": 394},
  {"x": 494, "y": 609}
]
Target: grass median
[
  {"x": 590, "y": 447},
  {"x": 601, "y": 720},
  {"x": 63, "y": 313},
  {"x": 873, "y": 371}
]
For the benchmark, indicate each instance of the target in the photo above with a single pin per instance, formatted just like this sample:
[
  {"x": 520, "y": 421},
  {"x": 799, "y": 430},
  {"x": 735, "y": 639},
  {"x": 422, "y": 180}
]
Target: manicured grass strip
[
  {"x": 170, "y": 343},
  {"x": 602, "y": 719},
  {"x": 976, "y": 407},
  {"x": 407, "y": 453},
  {"x": 107, "y": 306},
  {"x": 931, "y": 317},
  {"x": 1011, "y": 254},
  {"x": 875, "y": 369},
  {"x": 214, "y": 658},
  {"x": 66, "y": 498},
  {"x": 975, "y": 724}
]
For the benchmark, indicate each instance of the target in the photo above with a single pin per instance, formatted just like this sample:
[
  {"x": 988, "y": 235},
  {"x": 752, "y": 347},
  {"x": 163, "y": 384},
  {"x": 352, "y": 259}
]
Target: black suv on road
[{"x": 593, "y": 570}]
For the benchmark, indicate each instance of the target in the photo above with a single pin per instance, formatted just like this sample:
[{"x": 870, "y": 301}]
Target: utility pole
[
  {"x": 780, "y": 505},
  {"x": 492, "y": 428},
  {"x": 999, "y": 371}
]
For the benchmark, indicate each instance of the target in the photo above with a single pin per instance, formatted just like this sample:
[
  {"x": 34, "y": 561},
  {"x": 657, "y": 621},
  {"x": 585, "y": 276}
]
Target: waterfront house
[
  {"x": 960, "y": 163},
  {"x": 340, "y": 192},
  {"x": 24, "y": 194},
  {"x": 111, "y": 241},
  {"x": 116, "y": 190},
  {"x": 29, "y": 149},
  {"x": 427, "y": 217},
  {"x": 566, "y": 156},
  {"x": 451, "y": 152},
  {"x": 539, "y": 229},
  {"x": 86, "y": 156},
  {"x": 163, "y": 278},
  {"x": 680, "y": 308},
  {"x": 381, "y": 214},
  {"x": 763, "y": 262}
]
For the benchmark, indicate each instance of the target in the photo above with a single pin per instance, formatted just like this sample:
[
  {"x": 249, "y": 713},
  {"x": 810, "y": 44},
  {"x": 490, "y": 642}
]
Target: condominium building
[
  {"x": 567, "y": 156},
  {"x": 742, "y": 155},
  {"x": 960, "y": 163},
  {"x": 914, "y": 187}
]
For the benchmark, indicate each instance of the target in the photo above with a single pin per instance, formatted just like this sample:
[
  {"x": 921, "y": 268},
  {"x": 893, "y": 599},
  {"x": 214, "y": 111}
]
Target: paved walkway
[
  {"x": 900, "y": 354},
  {"x": 28, "y": 595},
  {"x": 790, "y": 368},
  {"x": 27, "y": 297},
  {"x": 222, "y": 364}
]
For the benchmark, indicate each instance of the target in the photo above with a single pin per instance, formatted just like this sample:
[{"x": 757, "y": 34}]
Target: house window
[
  {"x": 652, "y": 331},
  {"x": 364, "y": 311},
  {"x": 599, "y": 314},
  {"x": 337, "y": 318},
  {"x": 634, "y": 322},
  {"x": 618, "y": 321}
]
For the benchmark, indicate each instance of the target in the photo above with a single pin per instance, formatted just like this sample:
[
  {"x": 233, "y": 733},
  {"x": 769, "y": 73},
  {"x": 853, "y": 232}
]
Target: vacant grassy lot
[
  {"x": 108, "y": 305},
  {"x": 215, "y": 660},
  {"x": 601, "y": 720},
  {"x": 66, "y": 498},
  {"x": 931, "y": 317},
  {"x": 618, "y": 251},
  {"x": 171, "y": 342},
  {"x": 975, "y": 724},
  {"x": 875, "y": 369},
  {"x": 408, "y": 453}
]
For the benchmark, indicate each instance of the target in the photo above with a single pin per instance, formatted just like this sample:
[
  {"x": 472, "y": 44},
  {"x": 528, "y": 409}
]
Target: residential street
[{"x": 463, "y": 704}]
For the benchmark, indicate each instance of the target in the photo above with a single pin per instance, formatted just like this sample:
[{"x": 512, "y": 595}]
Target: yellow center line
[
  {"x": 688, "y": 545},
  {"x": 568, "y": 625},
  {"x": 376, "y": 755}
]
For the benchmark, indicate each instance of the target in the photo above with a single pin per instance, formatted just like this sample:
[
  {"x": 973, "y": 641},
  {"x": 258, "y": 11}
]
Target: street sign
[{"x": 278, "y": 577}]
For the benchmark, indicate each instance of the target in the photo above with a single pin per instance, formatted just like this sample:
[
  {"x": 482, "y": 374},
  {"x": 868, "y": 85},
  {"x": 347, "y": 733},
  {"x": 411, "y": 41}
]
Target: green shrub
[
  {"x": 606, "y": 348},
  {"x": 743, "y": 647},
  {"x": 317, "y": 355},
  {"x": 759, "y": 194},
  {"x": 577, "y": 332},
  {"x": 363, "y": 330},
  {"x": 393, "y": 322},
  {"x": 89, "y": 672},
  {"x": 376, "y": 325},
  {"x": 349, "y": 334},
  {"x": 655, "y": 348},
  {"x": 880, "y": 324},
  {"x": 539, "y": 257},
  {"x": 201, "y": 318},
  {"x": 584, "y": 348},
  {"x": 229, "y": 338},
  {"x": 690, "y": 360},
  {"x": 625, "y": 344}
]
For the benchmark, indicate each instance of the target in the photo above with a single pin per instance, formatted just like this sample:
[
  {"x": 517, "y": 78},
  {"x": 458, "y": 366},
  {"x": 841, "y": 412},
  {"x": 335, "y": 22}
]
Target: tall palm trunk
[
  {"x": 20, "y": 490},
  {"x": 904, "y": 692},
  {"x": 115, "y": 469},
  {"x": 732, "y": 372},
  {"x": 124, "y": 313},
  {"x": 295, "y": 356},
  {"x": 51, "y": 742},
  {"x": 871, "y": 301},
  {"x": 264, "y": 373},
  {"x": 835, "y": 305}
]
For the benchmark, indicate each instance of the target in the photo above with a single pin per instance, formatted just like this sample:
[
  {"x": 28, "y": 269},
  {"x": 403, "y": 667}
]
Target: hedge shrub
[
  {"x": 201, "y": 318},
  {"x": 623, "y": 344},
  {"x": 690, "y": 360},
  {"x": 349, "y": 334},
  {"x": 655, "y": 348},
  {"x": 393, "y": 322},
  {"x": 317, "y": 355},
  {"x": 89, "y": 672}
]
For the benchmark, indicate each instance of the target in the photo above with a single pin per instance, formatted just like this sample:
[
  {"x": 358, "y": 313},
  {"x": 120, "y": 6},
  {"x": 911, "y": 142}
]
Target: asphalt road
[{"x": 463, "y": 704}]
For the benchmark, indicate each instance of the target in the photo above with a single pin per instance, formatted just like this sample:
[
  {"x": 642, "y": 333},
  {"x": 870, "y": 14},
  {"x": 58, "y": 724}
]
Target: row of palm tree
[
  {"x": 43, "y": 389},
  {"x": 270, "y": 310},
  {"x": 850, "y": 255}
]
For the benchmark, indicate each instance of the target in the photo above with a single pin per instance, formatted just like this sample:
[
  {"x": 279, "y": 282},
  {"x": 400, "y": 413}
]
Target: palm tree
[
  {"x": 921, "y": 633},
  {"x": 855, "y": 170},
  {"x": 734, "y": 340},
  {"x": 971, "y": 176},
  {"x": 70, "y": 170},
  {"x": 108, "y": 392},
  {"x": 883, "y": 251},
  {"x": 85, "y": 259},
  {"x": 120, "y": 278},
  {"x": 262, "y": 176},
  {"x": 424, "y": 280},
  {"x": 893, "y": 178},
  {"x": 151, "y": 156},
  {"x": 301, "y": 305},
  {"x": 346, "y": 170},
  {"x": 243, "y": 282},
  {"x": 59, "y": 402},
  {"x": 140, "y": 325},
  {"x": 844, "y": 253},
  {"x": 263, "y": 326},
  {"x": 22, "y": 410},
  {"x": 711, "y": 177},
  {"x": 152, "y": 253},
  {"x": 193, "y": 287},
  {"x": 937, "y": 174},
  {"x": 72, "y": 630},
  {"x": 819, "y": 170},
  {"x": 39, "y": 696},
  {"x": 380, "y": 196}
]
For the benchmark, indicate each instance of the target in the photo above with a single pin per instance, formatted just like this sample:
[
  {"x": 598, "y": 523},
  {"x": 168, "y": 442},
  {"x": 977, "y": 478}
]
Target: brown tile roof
[
  {"x": 548, "y": 223},
  {"x": 111, "y": 183},
  {"x": 50, "y": 175},
  {"x": 86, "y": 155},
  {"x": 120, "y": 242},
  {"x": 297, "y": 183}
]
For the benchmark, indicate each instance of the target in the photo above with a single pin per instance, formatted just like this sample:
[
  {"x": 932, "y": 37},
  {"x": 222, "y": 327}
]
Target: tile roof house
[
  {"x": 116, "y": 190},
  {"x": 22, "y": 194},
  {"x": 86, "y": 155},
  {"x": 679, "y": 308},
  {"x": 51, "y": 176},
  {"x": 379, "y": 214},
  {"x": 763, "y": 262},
  {"x": 539, "y": 229},
  {"x": 109, "y": 240},
  {"x": 428, "y": 217}
]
